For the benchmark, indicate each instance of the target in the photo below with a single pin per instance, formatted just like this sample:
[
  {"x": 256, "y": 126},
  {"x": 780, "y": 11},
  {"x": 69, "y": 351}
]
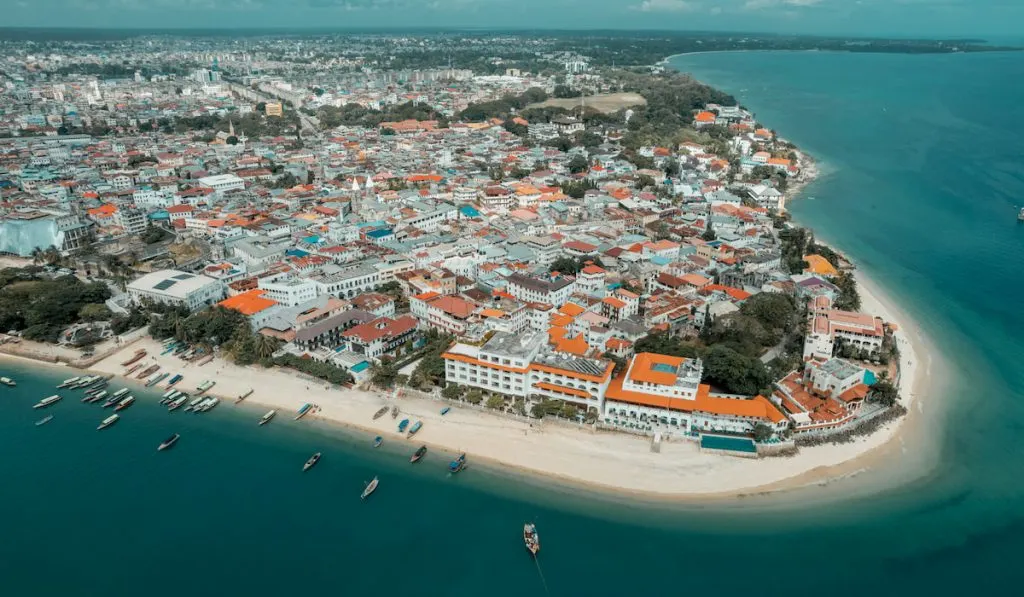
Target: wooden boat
[
  {"x": 139, "y": 354},
  {"x": 394, "y": 412},
  {"x": 266, "y": 418},
  {"x": 458, "y": 464},
  {"x": 7, "y": 381},
  {"x": 243, "y": 395},
  {"x": 377, "y": 441},
  {"x": 44, "y": 420},
  {"x": 204, "y": 360},
  {"x": 415, "y": 427},
  {"x": 174, "y": 379},
  {"x": 47, "y": 401},
  {"x": 380, "y": 413},
  {"x": 108, "y": 422},
  {"x": 147, "y": 371},
  {"x": 176, "y": 403},
  {"x": 445, "y": 410},
  {"x": 418, "y": 454},
  {"x": 95, "y": 397},
  {"x": 206, "y": 385},
  {"x": 113, "y": 400},
  {"x": 124, "y": 403},
  {"x": 303, "y": 411},
  {"x": 68, "y": 382},
  {"x": 402, "y": 425},
  {"x": 370, "y": 488},
  {"x": 168, "y": 443},
  {"x": 531, "y": 539},
  {"x": 132, "y": 369},
  {"x": 155, "y": 379},
  {"x": 315, "y": 458}
]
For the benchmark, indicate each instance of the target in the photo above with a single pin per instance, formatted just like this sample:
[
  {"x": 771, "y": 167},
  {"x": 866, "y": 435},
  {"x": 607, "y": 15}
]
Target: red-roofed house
[{"x": 380, "y": 336}]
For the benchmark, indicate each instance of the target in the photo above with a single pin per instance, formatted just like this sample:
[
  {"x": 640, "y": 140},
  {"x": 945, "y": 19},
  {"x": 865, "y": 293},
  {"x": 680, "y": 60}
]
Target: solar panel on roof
[
  {"x": 183, "y": 276},
  {"x": 164, "y": 284}
]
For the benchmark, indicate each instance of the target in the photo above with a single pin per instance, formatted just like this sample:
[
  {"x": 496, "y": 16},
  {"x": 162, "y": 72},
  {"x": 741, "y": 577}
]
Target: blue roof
[
  {"x": 311, "y": 239},
  {"x": 469, "y": 210},
  {"x": 160, "y": 215},
  {"x": 869, "y": 377},
  {"x": 381, "y": 233},
  {"x": 296, "y": 253}
]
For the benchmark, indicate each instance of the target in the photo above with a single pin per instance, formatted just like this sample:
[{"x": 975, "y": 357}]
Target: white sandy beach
[{"x": 612, "y": 461}]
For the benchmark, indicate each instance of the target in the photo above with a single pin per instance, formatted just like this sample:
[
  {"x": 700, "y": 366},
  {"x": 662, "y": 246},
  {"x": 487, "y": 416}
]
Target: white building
[
  {"x": 133, "y": 221},
  {"x": 222, "y": 183},
  {"x": 534, "y": 290},
  {"x": 288, "y": 291},
  {"x": 176, "y": 288}
]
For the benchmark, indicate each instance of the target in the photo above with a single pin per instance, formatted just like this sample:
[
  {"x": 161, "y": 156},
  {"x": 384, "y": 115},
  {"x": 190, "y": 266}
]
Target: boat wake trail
[{"x": 541, "y": 573}]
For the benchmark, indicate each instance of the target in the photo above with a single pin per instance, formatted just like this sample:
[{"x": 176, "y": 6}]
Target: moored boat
[
  {"x": 458, "y": 464},
  {"x": 418, "y": 454},
  {"x": 124, "y": 403},
  {"x": 177, "y": 403},
  {"x": 148, "y": 371},
  {"x": 206, "y": 385},
  {"x": 380, "y": 413},
  {"x": 243, "y": 395},
  {"x": 169, "y": 397},
  {"x": 445, "y": 410},
  {"x": 207, "y": 405},
  {"x": 7, "y": 381},
  {"x": 68, "y": 382},
  {"x": 168, "y": 394},
  {"x": 303, "y": 411},
  {"x": 531, "y": 538},
  {"x": 266, "y": 418},
  {"x": 168, "y": 443},
  {"x": 402, "y": 425},
  {"x": 394, "y": 412},
  {"x": 174, "y": 379},
  {"x": 194, "y": 403},
  {"x": 132, "y": 369},
  {"x": 370, "y": 488},
  {"x": 47, "y": 401},
  {"x": 108, "y": 422},
  {"x": 155, "y": 379},
  {"x": 44, "y": 420},
  {"x": 315, "y": 458},
  {"x": 121, "y": 392},
  {"x": 377, "y": 441},
  {"x": 113, "y": 400},
  {"x": 204, "y": 360},
  {"x": 138, "y": 355},
  {"x": 415, "y": 427}
]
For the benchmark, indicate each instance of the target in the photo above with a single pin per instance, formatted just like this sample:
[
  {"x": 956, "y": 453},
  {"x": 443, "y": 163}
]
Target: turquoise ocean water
[{"x": 923, "y": 172}]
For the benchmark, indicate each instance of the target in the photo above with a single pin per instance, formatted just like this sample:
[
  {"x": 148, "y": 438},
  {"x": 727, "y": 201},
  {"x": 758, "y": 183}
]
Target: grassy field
[{"x": 605, "y": 102}]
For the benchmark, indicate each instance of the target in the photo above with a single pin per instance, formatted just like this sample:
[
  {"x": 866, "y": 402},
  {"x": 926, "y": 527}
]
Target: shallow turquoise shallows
[{"x": 924, "y": 170}]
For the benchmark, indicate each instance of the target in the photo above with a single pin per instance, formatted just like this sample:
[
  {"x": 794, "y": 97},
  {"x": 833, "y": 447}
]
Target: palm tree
[
  {"x": 52, "y": 255},
  {"x": 37, "y": 256},
  {"x": 265, "y": 346}
]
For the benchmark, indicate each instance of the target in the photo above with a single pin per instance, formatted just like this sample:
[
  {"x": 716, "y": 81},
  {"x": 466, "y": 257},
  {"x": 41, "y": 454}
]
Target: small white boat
[
  {"x": 169, "y": 442},
  {"x": 315, "y": 458},
  {"x": 177, "y": 403},
  {"x": 120, "y": 393},
  {"x": 124, "y": 403},
  {"x": 207, "y": 405},
  {"x": 370, "y": 488},
  {"x": 68, "y": 382},
  {"x": 194, "y": 403},
  {"x": 47, "y": 401},
  {"x": 44, "y": 420},
  {"x": 108, "y": 422},
  {"x": 243, "y": 395},
  {"x": 7, "y": 381},
  {"x": 266, "y": 418}
]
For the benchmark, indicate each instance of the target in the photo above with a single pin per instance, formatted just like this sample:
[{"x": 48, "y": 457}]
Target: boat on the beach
[
  {"x": 68, "y": 382},
  {"x": 402, "y": 425},
  {"x": 7, "y": 381},
  {"x": 124, "y": 403},
  {"x": 206, "y": 385},
  {"x": 155, "y": 379},
  {"x": 139, "y": 354},
  {"x": 266, "y": 418},
  {"x": 394, "y": 412},
  {"x": 370, "y": 488},
  {"x": 108, "y": 422},
  {"x": 169, "y": 442},
  {"x": 44, "y": 420},
  {"x": 168, "y": 394},
  {"x": 177, "y": 403},
  {"x": 458, "y": 464},
  {"x": 315, "y": 458},
  {"x": 380, "y": 413},
  {"x": 243, "y": 395},
  {"x": 377, "y": 441},
  {"x": 169, "y": 397},
  {"x": 204, "y": 360},
  {"x": 303, "y": 411},
  {"x": 445, "y": 410},
  {"x": 174, "y": 379},
  {"x": 531, "y": 539},
  {"x": 47, "y": 401},
  {"x": 418, "y": 454},
  {"x": 147, "y": 371},
  {"x": 132, "y": 369},
  {"x": 415, "y": 427}
]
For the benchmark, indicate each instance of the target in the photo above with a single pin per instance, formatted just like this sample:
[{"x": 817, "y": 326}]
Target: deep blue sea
[{"x": 923, "y": 175}]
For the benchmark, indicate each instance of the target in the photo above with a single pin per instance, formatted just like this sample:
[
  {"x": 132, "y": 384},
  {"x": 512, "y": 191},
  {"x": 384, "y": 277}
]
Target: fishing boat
[
  {"x": 176, "y": 403},
  {"x": 124, "y": 403},
  {"x": 169, "y": 442},
  {"x": 168, "y": 349},
  {"x": 168, "y": 394},
  {"x": 380, "y": 413},
  {"x": 445, "y": 410},
  {"x": 82, "y": 382},
  {"x": 402, "y": 425},
  {"x": 99, "y": 384},
  {"x": 169, "y": 397},
  {"x": 47, "y": 401},
  {"x": 44, "y": 420},
  {"x": 94, "y": 397},
  {"x": 370, "y": 488},
  {"x": 315, "y": 458},
  {"x": 139, "y": 354},
  {"x": 304, "y": 411},
  {"x": 155, "y": 379},
  {"x": 394, "y": 412},
  {"x": 531, "y": 538},
  {"x": 194, "y": 403},
  {"x": 266, "y": 418},
  {"x": 147, "y": 371},
  {"x": 377, "y": 441},
  {"x": 458, "y": 464},
  {"x": 132, "y": 369},
  {"x": 7, "y": 381},
  {"x": 418, "y": 454},
  {"x": 207, "y": 405},
  {"x": 121, "y": 392},
  {"x": 68, "y": 382},
  {"x": 415, "y": 427},
  {"x": 243, "y": 395},
  {"x": 115, "y": 399},
  {"x": 108, "y": 422},
  {"x": 174, "y": 379},
  {"x": 206, "y": 385}
]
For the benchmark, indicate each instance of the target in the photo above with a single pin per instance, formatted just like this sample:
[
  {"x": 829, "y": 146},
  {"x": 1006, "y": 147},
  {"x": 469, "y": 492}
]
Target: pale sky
[{"x": 844, "y": 17}]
